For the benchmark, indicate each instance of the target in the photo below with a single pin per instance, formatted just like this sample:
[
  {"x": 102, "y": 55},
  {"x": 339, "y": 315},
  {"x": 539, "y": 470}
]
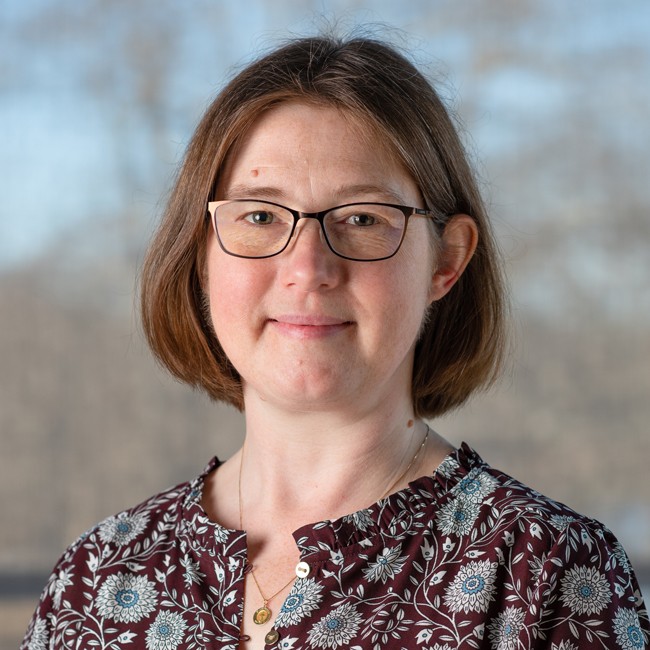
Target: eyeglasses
[{"x": 363, "y": 232}]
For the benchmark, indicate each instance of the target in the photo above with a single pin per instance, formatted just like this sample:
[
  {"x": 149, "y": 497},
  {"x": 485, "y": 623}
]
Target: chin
[{"x": 307, "y": 396}]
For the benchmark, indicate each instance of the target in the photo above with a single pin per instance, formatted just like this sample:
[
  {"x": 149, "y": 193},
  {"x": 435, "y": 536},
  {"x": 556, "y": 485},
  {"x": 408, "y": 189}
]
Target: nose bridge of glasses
[{"x": 302, "y": 220}]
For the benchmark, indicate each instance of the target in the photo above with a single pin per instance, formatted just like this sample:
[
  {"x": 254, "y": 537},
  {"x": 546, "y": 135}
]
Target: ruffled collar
[{"x": 391, "y": 516}]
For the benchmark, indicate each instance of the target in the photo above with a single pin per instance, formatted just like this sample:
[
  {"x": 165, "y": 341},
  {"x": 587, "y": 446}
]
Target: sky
[{"x": 67, "y": 148}]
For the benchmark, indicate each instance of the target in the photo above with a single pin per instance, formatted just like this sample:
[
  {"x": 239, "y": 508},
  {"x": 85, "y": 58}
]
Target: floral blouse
[{"x": 465, "y": 558}]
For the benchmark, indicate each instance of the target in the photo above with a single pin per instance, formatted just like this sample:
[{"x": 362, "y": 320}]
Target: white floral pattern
[
  {"x": 627, "y": 627},
  {"x": 562, "y": 522},
  {"x": 504, "y": 630},
  {"x": 585, "y": 591},
  {"x": 302, "y": 600},
  {"x": 39, "y": 638},
  {"x": 563, "y": 645},
  {"x": 126, "y": 598},
  {"x": 467, "y": 558},
  {"x": 386, "y": 566},
  {"x": 59, "y": 585},
  {"x": 336, "y": 629},
  {"x": 536, "y": 565},
  {"x": 193, "y": 572},
  {"x": 166, "y": 632},
  {"x": 473, "y": 588},
  {"x": 362, "y": 519},
  {"x": 123, "y": 528},
  {"x": 449, "y": 467},
  {"x": 457, "y": 517},
  {"x": 477, "y": 486},
  {"x": 621, "y": 558}
]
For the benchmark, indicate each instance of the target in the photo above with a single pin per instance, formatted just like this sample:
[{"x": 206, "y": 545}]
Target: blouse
[{"x": 465, "y": 558}]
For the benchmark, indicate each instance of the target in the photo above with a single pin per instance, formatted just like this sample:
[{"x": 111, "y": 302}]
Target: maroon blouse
[{"x": 466, "y": 558}]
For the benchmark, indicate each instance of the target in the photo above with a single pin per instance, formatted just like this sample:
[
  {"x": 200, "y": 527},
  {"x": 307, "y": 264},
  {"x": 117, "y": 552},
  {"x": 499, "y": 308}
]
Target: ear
[{"x": 459, "y": 240}]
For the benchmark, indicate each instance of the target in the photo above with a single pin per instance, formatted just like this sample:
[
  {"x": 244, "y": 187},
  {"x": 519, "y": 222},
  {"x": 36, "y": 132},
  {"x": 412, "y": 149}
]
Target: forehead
[{"x": 295, "y": 141}]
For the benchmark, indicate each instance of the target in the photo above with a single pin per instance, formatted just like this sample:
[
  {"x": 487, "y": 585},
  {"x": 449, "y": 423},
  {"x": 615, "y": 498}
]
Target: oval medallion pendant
[
  {"x": 262, "y": 615},
  {"x": 271, "y": 637}
]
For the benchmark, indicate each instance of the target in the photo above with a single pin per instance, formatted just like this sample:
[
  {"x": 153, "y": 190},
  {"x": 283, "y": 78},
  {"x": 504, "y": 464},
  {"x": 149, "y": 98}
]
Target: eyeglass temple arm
[{"x": 439, "y": 219}]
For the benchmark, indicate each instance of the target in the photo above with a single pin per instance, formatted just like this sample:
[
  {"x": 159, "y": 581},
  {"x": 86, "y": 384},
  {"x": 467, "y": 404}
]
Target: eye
[
  {"x": 260, "y": 218},
  {"x": 361, "y": 220}
]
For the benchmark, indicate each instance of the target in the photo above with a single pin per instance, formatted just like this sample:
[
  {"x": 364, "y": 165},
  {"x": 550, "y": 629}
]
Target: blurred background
[{"x": 98, "y": 100}]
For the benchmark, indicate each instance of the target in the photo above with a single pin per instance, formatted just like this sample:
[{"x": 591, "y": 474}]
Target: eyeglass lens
[{"x": 258, "y": 229}]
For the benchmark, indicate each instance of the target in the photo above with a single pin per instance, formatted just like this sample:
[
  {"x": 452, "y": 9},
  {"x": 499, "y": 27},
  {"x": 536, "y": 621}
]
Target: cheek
[
  {"x": 228, "y": 286},
  {"x": 238, "y": 291},
  {"x": 400, "y": 299},
  {"x": 416, "y": 287},
  {"x": 417, "y": 264}
]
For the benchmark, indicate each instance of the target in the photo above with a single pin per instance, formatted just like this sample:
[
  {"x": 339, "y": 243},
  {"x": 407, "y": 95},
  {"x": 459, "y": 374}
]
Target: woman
[{"x": 325, "y": 264}]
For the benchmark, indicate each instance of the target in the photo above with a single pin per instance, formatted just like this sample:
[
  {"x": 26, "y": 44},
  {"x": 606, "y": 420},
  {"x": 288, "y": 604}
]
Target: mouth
[{"x": 309, "y": 326}]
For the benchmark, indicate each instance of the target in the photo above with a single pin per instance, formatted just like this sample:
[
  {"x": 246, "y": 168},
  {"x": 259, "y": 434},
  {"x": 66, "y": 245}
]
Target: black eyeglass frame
[{"x": 440, "y": 220}]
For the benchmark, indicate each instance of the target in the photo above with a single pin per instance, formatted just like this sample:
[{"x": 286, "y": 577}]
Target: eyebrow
[
  {"x": 242, "y": 191},
  {"x": 351, "y": 193}
]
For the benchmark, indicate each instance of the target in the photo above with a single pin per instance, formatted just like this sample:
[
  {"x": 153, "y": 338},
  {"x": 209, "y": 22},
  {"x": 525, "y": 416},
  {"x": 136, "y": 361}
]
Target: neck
[
  {"x": 297, "y": 468},
  {"x": 314, "y": 466},
  {"x": 304, "y": 467}
]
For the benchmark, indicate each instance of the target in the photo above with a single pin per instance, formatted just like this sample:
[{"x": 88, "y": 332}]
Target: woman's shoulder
[
  {"x": 477, "y": 512},
  {"x": 467, "y": 509},
  {"x": 487, "y": 513},
  {"x": 123, "y": 550},
  {"x": 560, "y": 572},
  {"x": 156, "y": 520},
  {"x": 474, "y": 491}
]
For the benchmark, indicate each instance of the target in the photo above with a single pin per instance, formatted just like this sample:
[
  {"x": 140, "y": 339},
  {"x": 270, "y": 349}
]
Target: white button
[{"x": 303, "y": 569}]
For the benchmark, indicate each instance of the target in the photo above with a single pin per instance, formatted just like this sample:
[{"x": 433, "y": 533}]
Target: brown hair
[{"x": 461, "y": 346}]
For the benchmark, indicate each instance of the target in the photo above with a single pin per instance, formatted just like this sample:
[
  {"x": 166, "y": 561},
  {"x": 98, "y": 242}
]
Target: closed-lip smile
[{"x": 307, "y": 326}]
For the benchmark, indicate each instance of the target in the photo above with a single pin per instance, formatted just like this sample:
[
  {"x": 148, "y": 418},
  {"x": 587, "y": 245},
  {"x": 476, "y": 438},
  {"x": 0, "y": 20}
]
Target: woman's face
[{"x": 308, "y": 330}]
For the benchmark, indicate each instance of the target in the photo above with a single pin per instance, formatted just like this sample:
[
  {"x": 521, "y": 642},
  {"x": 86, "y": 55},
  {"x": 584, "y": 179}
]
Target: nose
[{"x": 307, "y": 262}]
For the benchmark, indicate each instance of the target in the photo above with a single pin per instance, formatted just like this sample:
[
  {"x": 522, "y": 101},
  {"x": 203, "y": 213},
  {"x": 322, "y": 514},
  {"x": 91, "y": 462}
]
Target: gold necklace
[
  {"x": 263, "y": 614},
  {"x": 408, "y": 469}
]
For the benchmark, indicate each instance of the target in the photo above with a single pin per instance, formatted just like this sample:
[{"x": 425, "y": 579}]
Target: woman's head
[{"x": 461, "y": 343}]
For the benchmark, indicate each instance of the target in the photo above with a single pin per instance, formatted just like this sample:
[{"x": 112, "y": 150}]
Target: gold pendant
[
  {"x": 271, "y": 637},
  {"x": 262, "y": 615}
]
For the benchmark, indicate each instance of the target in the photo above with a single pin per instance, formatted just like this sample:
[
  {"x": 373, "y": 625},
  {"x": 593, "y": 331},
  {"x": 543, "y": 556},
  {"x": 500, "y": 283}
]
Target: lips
[
  {"x": 309, "y": 320},
  {"x": 309, "y": 326}
]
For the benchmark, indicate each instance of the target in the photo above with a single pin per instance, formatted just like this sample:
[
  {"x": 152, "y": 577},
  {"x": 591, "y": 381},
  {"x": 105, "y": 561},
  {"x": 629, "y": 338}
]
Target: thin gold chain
[
  {"x": 410, "y": 465},
  {"x": 270, "y": 598},
  {"x": 241, "y": 527},
  {"x": 241, "y": 508}
]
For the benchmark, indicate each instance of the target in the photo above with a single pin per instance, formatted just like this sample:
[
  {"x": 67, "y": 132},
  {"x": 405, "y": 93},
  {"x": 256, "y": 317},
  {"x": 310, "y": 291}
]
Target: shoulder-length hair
[{"x": 461, "y": 346}]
